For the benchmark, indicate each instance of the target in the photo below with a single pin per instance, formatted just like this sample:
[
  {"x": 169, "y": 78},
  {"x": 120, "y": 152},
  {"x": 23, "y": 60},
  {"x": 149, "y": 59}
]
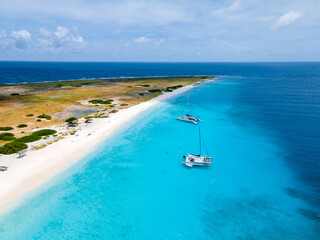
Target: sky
[{"x": 160, "y": 30}]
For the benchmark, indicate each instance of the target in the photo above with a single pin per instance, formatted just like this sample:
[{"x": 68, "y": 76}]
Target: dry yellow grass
[{"x": 50, "y": 98}]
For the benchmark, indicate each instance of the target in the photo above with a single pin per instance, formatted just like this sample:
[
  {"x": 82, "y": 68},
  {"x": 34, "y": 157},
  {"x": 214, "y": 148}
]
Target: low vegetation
[
  {"x": 99, "y": 101},
  {"x": 6, "y": 128},
  {"x": 44, "y": 132},
  {"x": 58, "y": 85},
  {"x": 20, "y": 143},
  {"x": 22, "y": 126},
  {"x": 30, "y": 138},
  {"x": 123, "y": 104},
  {"x": 69, "y": 120},
  {"x": 29, "y": 115},
  {"x": 7, "y": 136},
  {"x": 14, "y": 94},
  {"x": 155, "y": 90},
  {"x": 170, "y": 89},
  {"x": 45, "y": 116},
  {"x": 13, "y": 147}
]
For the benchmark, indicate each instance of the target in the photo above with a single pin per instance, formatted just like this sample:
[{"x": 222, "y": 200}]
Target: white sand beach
[{"x": 38, "y": 166}]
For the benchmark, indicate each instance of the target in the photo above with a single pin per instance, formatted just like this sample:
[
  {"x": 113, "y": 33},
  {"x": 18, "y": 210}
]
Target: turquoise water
[{"x": 132, "y": 186}]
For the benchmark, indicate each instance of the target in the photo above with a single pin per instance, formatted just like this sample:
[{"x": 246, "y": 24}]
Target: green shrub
[
  {"x": 30, "y": 138},
  {"x": 45, "y": 116},
  {"x": 96, "y": 101},
  {"x": 38, "y": 120},
  {"x": 99, "y": 101},
  {"x": 146, "y": 85},
  {"x": 71, "y": 119},
  {"x": 170, "y": 89},
  {"x": 44, "y": 132},
  {"x": 29, "y": 115},
  {"x": 114, "y": 111},
  {"x": 154, "y": 90},
  {"x": 12, "y": 147},
  {"x": 123, "y": 104},
  {"x": 141, "y": 94},
  {"x": 22, "y": 126},
  {"x": 6, "y": 128},
  {"x": 14, "y": 94},
  {"x": 7, "y": 136}
]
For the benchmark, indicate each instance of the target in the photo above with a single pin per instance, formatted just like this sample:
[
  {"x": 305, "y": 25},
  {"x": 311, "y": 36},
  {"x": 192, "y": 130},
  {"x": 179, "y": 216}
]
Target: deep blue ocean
[{"x": 261, "y": 124}]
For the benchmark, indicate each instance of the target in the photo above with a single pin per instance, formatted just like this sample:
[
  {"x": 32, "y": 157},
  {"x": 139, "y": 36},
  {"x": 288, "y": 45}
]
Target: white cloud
[
  {"x": 61, "y": 38},
  {"x": 160, "y": 41},
  {"x": 141, "y": 40},
  {"x": 44, "y": 32},
  {"x": 144, "y": 40},
  {"x": 229, "y": 12},
  {"x": 287, "y": 19},
  {"x": 21, "y": 38},
  {"x": 61, "y": 32},
  {"x": 24, "y": 34}
]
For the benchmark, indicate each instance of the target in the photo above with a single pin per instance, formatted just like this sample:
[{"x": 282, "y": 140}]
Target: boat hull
[
  {"x": 192, "y": 160},
  {"x": 186, "y": 119}
]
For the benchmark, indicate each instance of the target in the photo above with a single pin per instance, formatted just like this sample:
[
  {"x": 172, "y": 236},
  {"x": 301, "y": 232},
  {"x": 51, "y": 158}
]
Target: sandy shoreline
[{"x": 39, "y": 166}]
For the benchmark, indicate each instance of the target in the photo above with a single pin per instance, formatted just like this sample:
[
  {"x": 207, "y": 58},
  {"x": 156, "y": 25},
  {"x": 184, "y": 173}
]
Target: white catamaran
[
  {"x": 189, "y": 118},
  {"x": 197, "y": 160}
]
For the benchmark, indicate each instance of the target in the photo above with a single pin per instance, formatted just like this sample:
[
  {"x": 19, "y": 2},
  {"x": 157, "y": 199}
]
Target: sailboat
[
  {"x": 197, "y": 159},
  {"x": 189, "y": 118}
]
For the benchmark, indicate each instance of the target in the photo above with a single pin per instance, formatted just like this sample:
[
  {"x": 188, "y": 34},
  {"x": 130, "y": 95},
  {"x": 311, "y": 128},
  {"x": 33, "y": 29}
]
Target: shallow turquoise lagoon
[{"x": 132, "y": 186}]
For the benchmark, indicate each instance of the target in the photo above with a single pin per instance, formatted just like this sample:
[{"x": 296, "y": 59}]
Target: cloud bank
[
  {"x": 167, "y": 30},
  {"x": 61, "y": 38}
]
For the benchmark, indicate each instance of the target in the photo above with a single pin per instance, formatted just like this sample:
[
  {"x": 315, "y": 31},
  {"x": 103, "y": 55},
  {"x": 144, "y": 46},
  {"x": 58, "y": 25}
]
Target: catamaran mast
[
  {"x": 200, "y": 139},
  {"x": 187, "y": 107}
]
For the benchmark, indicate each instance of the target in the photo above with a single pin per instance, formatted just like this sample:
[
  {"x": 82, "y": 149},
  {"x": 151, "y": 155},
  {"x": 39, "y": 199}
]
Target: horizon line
[{"x": 58, "y": 61}]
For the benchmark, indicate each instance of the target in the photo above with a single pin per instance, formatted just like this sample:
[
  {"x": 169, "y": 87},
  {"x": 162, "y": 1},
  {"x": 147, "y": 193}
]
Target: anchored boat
[
  {"x": 189, "y": 118},
  {"x": 197, "y": 159}
]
